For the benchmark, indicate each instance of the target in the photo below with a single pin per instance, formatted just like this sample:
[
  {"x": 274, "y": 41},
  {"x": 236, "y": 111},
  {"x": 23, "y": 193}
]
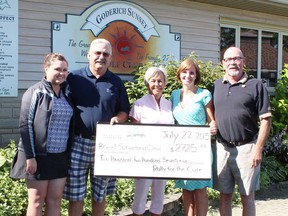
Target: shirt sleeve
[
  {"x": 27, "y": 113},
  {"x": 124, "y": 101},
  {"x": 263, "y": 101},
  {"x": 207, "y": 96},
  {"x": 135, "y": 111}
]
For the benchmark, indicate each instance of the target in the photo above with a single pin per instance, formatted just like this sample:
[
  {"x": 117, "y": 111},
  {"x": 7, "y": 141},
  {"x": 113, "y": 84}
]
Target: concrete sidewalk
[{"x": 269, "y": 202}]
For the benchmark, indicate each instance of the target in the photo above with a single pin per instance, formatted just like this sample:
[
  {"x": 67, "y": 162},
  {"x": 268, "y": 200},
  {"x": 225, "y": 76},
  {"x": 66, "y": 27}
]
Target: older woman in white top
[{"x": 152, "y": 108}]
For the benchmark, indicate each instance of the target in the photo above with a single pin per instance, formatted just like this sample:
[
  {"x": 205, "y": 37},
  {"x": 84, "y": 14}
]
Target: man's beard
[{"x": 233, "y": 73}]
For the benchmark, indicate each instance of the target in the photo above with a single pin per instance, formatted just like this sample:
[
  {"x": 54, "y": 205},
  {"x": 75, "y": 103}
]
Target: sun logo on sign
[
  {"x": 129, "y": 48},
  {"x": 126, "y": 41},
  {"x": 124, "y": 45}
]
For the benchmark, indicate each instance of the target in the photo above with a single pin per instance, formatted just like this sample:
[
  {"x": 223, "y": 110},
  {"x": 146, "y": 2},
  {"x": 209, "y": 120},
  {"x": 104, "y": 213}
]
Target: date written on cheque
[{"x": 183, "y": 135}]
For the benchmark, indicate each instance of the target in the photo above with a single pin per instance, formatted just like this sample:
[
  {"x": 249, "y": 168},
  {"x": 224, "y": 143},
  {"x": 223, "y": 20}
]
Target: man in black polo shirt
[
  {"x": 240, "y": 103},
  {"x": 97, "y": 95}
]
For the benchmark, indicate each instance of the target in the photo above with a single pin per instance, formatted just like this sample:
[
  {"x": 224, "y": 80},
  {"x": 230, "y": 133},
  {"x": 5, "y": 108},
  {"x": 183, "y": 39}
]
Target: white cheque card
[{"x": 153, "y": 151}]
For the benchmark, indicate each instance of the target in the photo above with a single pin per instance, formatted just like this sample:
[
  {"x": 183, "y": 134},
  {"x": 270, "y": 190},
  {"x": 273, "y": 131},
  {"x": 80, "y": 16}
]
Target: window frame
[{"x": 260, "y": 27}]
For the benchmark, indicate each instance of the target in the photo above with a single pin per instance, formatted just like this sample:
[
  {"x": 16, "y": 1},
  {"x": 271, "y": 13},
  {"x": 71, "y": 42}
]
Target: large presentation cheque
[{"x": 153, "y": 151}]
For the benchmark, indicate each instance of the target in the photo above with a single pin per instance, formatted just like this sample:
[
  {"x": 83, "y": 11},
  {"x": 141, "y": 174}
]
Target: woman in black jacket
[{"x": 46, "y": 126}]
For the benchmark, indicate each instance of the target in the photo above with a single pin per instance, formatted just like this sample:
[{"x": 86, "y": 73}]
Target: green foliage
[
  {"x": 123, "y": 196},
  {"x": 277, "y": 146},
  {"x": 64, "y": 208},
  {"x": 272, "y": 171},
  {"x": 279, "y": 103},
  {"x": 14, "y": 198},
  {"x": 136, "y": 89},
  {"x": 209, "y": 73},
  {"x": 171, "y": 187},
  {"x": 13, "y": 193},
  {"x": 214, "y": 195}
]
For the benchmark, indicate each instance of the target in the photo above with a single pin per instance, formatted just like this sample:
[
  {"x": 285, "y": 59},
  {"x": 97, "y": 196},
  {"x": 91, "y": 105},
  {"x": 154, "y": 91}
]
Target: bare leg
[
  {"x": 76, "y": 208},
  {"x": 226, "y": 204},
  {"x": 37, "y": 190},
  {"x": 248, "y": 203},
  {"x": 54, "y": 196},
  {"x": 201, "y": 202},
  {"x": 189, "y": 202},
  {"x": 98, "y": 208}
]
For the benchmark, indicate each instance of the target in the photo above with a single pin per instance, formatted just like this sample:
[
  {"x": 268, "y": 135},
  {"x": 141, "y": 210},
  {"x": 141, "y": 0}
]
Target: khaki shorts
[{"x": 232, "y": 166}]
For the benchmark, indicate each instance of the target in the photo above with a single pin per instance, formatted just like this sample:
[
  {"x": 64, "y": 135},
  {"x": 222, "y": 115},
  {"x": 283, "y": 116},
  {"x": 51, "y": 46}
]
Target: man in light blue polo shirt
[{"x": 98, "y": 95}]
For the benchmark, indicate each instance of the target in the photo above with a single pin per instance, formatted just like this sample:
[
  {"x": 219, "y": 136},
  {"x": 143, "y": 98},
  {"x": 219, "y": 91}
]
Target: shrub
[
  {"x": 279, "y": 104},
  {"x": 123, "y": 196},
  {"x": 274, "y": 165},
  {"x": 272, "y": 171},
  {"x": 136, "y": 89},
  {"x": 13, "y": 193},
  {"x": 209, "y": 73},
  {"x": 277, "y": 146}
]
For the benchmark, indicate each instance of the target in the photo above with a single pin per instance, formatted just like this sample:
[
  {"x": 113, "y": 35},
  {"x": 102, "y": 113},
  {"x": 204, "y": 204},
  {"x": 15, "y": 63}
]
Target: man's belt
[
  {"x": 233, "y": 144},
  {"x": 85, "y": 136}
]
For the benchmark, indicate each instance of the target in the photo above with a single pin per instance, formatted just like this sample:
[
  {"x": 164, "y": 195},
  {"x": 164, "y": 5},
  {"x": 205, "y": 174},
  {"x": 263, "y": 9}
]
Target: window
[
  {"x": 227, "y": 37},
  {"x": 261, "y": 48},
  {"x": 285, "y": 50},
  {"x": 249, "y": 47},
  {"x": 269, "y": 57}
]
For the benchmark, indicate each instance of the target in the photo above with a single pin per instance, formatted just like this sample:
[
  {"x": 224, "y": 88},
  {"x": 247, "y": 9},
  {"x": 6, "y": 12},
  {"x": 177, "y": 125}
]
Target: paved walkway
[{"x": 269, "y": 202}]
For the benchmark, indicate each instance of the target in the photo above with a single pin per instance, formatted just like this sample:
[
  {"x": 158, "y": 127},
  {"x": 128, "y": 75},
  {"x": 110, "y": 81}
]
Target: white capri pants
[{"x": 140, "y": 195}]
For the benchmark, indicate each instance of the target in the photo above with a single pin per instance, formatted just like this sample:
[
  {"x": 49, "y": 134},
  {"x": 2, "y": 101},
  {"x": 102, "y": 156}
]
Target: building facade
[{"x": 207, "y": 27}]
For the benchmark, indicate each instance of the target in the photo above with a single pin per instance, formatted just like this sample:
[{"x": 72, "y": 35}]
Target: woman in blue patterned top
[
  {"x": 46, "y": 127},
  {"x": 192, "y": 105}
]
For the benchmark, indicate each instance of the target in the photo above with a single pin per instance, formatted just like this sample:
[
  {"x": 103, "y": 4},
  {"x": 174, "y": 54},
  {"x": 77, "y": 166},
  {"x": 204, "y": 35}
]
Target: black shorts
[{"x": 51, "y": 166}]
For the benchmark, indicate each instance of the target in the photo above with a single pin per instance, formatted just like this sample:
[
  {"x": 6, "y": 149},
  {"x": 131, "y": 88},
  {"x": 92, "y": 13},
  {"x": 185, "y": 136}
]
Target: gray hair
[
  {"x": 101, "y": 41},
  {"x": 152, "y": 71}
]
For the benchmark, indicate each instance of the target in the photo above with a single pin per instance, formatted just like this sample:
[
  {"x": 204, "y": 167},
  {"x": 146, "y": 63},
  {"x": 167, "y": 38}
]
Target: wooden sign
[
  {"x": 135, "y": 35},
  {"x": 153, "y": 151}
]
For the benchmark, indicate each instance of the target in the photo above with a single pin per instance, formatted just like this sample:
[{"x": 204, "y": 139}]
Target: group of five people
[{"x": 58, "y": 125}]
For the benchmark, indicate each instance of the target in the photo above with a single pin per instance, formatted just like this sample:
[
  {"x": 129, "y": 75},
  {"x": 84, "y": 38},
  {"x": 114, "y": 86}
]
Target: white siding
[
  {"x": 198, "y": 23},
  {"x": 35, "y": 18}
]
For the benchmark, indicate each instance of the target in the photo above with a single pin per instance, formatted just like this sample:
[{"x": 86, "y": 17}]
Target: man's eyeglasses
[
  {"x": 230, "y": 59},
  {"x": 105, "y": 54}
]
